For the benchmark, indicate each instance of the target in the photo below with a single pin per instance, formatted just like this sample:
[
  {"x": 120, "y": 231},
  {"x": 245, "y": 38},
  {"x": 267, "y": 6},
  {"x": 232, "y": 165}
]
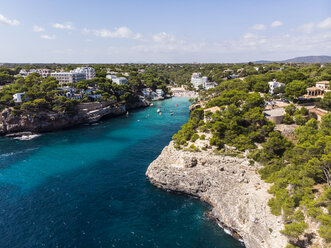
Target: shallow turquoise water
[{"x": 85, "y": 187}]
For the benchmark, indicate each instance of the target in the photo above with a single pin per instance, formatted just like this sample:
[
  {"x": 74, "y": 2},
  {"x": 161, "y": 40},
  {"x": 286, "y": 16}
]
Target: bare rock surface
[{"x": 238, "y": 196}]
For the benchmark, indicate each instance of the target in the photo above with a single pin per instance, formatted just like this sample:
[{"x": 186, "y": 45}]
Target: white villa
[
  {"x": 209, "y": 85},
  {"x": 120, "y": 80},
  {"x": 88, "y": 71},
  {"x": 324, "y": 85},
  {"x": 18, "y": 97},
  {"x": 111, "y": 76},
  {"x": 197, "y": 80},
  {"x": 43, "y": 72},
  {"x": 159, "y": 92},
  {"x": 318, "y": 90},
  {"x": 72, "y": 95},
  {"x": 117, "y": 80},
  {"x": 148, "y": 93},
  {"x": 273, "y": 85}
]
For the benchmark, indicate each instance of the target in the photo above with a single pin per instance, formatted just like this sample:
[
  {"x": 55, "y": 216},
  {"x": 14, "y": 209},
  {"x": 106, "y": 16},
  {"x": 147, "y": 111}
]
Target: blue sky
[{"x": 170, "y": 31}]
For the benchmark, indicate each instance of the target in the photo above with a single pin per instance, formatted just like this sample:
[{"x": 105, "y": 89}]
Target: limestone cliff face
[
  {"x": 49, "y": 121},
  {"x": 238, "y": 196}
]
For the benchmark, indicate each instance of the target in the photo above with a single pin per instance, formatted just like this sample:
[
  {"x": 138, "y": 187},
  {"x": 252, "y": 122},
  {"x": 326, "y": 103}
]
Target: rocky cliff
[
  {"x": 238, "y": 196},
  {"x": 48, "y": 121}
]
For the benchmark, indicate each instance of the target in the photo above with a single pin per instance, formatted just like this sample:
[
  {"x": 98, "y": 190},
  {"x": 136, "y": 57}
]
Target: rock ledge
[{"x": 238, "y": 196}]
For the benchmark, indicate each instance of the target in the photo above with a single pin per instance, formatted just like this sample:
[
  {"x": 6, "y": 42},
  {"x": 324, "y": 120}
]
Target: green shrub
[
  {"x": 295, "y": 229},
  {"x": 290, "y": 109},
  {"x": 203, "y": 137},
  {"x": 275, "y": 206},
  {"x": 325, "y": 232},
  {"x": 314, "y": 212},
  {"x": 28, "y": 106},
  {"x": 300, "y": 119},
  {"x": 291, "y": 246},
  {"x": 193, "y": 148},
  {"x": 287, "y": 119},
  {"x": 194, "y": 137}
]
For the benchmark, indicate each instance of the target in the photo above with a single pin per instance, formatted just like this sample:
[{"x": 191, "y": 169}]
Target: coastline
[
  {"x": 41, "y": 122},
  {"x": 230, "y": 185}
]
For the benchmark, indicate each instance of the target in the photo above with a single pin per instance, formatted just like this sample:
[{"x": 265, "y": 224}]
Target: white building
[
  {"x": 72, "y": 95},
  {"x": 117, "y": 80},
  {"x": 89, "y": 71},
  {"x": 324, "y": 85},
  {"x": 273, "y": 85},
  {"x": 43, "y": 72},
  {"x": 18, "y": 97},
  {"x": 68, "y": 77},
  {"x": 112, "y": 77},
  {"x": 196, "y": 80},
  {"x": 209, "y": 85},
  {"x": 159, "y": 92},
  {"x": 120, "y": 80},
  {"x": 147, "y": 92}
]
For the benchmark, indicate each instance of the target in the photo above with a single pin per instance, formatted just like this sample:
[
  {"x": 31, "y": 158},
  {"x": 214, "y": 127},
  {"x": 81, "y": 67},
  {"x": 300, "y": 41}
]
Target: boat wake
[
  {"x": 4, "y": 155},
  {"x": 27, "y": 137}
]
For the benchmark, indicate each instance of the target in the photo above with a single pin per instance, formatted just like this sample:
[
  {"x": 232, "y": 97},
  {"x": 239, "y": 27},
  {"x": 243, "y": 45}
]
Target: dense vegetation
[
  {"x": 299, "y": 170},
  {"x": 301, "y": 177},
  {"x": 240, "y": 121},
  {"x": 44, "y": 94},
  {"x": 40, "y": 94}
]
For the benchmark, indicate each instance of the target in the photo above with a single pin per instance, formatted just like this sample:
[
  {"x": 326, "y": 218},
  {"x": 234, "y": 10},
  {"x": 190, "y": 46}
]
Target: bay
[{"x": 86, "y": 187}]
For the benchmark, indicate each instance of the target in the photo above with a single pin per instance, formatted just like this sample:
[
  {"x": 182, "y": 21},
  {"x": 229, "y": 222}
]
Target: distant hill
[{"x": 305, "y": 59}]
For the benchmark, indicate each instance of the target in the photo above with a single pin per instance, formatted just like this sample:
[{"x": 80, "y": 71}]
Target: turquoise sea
[{"x": 86, "y": 187}]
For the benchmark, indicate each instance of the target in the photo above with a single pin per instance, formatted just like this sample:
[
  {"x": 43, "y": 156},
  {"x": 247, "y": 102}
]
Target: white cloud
[
  {"x": 48, "y": 37},
  {"x": 162, "y": 43},
  {"x": 163, "y": 37},
  {"x": 37, "y": 28},
  {"x": 276, "y": 24},
  {"x": 325, "y": 24},
  {"x": 311, "y": 26},
  {"x": 63, "y": 26},
  {"x": 307, "y": 28},
  {"x": 259, "y": 27},
  {"x": 4, "y": 20},
  {"x": 121, "y": 32},
  {"x": 250, "y": 36}
]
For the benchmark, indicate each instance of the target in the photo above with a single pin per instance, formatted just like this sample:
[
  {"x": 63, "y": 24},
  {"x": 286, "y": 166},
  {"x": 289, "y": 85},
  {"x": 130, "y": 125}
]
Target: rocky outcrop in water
[
  {"x": 238, "y": 196},
  {"x": 49, "y": 121}
]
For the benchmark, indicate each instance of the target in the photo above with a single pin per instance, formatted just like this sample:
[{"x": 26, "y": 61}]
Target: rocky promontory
[
  {"x": 230, "y": 185},
  {"x": 46, "y": 121}
]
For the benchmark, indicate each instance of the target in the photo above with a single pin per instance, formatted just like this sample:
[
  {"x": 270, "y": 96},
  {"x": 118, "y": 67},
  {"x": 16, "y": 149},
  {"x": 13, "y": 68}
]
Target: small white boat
[
  {"x": 151, "y": 104},
  {"x": 158, "y": 110}
]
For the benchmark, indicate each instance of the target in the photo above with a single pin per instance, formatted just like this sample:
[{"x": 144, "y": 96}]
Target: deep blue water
[{"x": 86, "y": 187}]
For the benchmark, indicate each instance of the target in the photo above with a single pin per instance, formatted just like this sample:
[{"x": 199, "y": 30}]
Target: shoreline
[
  {"x": 43, "y": 122},
  {"x": 237, "y": 195},
  {"x": 228, "y": 230}
]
